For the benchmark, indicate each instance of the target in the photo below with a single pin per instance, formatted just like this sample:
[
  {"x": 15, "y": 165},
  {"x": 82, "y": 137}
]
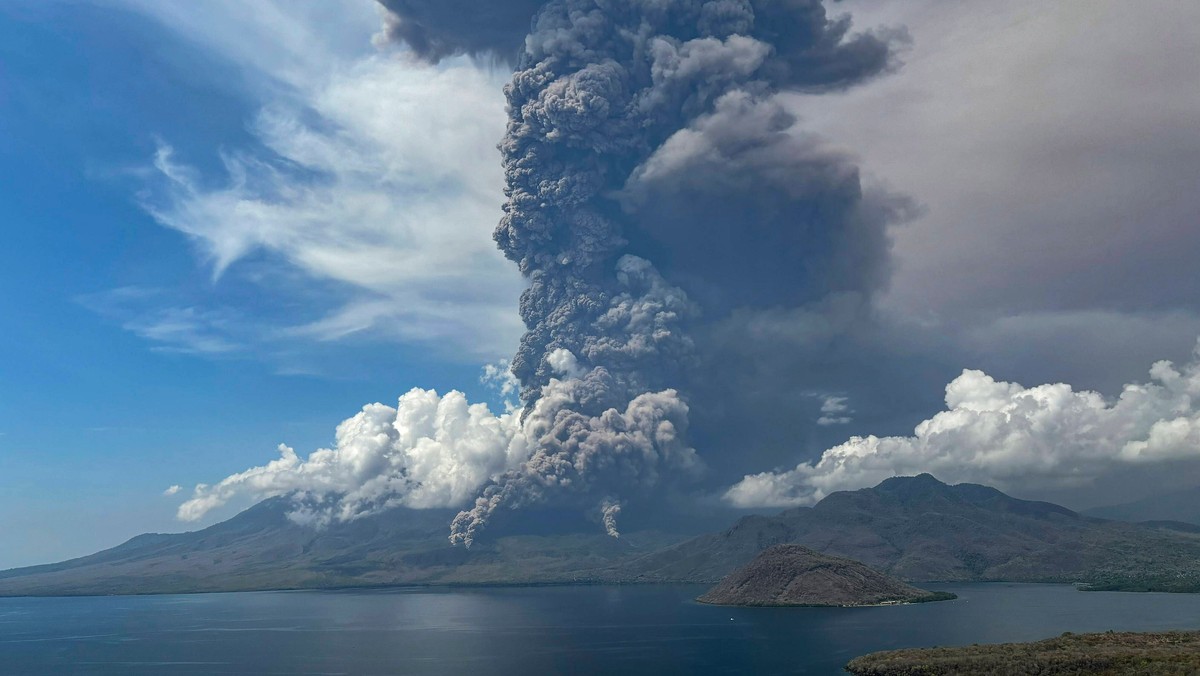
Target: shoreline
[
  {"x": 934, "y": 597},
  {"x": 426, "y": 586}
]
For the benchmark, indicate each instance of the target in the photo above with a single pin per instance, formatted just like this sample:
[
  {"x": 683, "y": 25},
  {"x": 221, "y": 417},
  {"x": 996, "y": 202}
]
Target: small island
[
  {"x": 1110, "y": 653},
  {"x": 792, "y": 575}
]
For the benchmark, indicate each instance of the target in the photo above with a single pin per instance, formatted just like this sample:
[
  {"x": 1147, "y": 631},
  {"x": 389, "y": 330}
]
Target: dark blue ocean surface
[{"x": 572, "y": 630}]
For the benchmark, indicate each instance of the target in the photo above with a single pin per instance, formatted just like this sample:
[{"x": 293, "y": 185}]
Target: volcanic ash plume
[
  {"x": 609, "y": 511},
  {"x": 656, "y": 182},
  {"x": 610, "y": 97}
]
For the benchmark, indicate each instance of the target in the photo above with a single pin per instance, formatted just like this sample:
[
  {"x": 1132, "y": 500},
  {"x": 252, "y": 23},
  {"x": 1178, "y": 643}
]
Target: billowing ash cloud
[
  {"x": 1004, "y": 434},
  {"x": 643, "y": 132},
  {"x": 625, "y": 447},
  {"x": 435, "y": 30},
  {"x": 656, "y": 185},
  {"x": 810, "y": 46}
]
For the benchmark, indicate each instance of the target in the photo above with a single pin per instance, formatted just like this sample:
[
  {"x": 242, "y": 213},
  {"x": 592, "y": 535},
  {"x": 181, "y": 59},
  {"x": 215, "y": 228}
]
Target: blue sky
[
  {"x": 230, "y": 225},
  {"x": 126, "y": 366}
]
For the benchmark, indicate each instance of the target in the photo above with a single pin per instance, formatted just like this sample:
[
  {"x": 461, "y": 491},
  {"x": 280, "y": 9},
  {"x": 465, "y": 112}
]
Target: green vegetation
[
  {"x": 1170, "y": 568},
  {"x": 1175, "y": 584},
  {"x": 931, "y": 597},
  {"x": 1107, "y": 654}
]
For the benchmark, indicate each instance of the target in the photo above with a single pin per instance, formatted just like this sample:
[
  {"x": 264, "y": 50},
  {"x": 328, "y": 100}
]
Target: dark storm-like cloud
[
  {"x": 810, "y": 48},
  {"x": 768, "y": 372},
  {"x": 797, "y": 223},
  {"x": 1060, "y": 232},
  {"x": 436, "y": 30}
]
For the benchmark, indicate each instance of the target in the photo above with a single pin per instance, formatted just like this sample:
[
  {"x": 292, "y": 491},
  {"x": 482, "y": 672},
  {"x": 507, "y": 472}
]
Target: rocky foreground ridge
[{"x": 1108, "y": 654}]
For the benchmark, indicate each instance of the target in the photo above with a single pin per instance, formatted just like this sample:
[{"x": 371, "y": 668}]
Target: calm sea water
[{"x": 573, "y": 630}]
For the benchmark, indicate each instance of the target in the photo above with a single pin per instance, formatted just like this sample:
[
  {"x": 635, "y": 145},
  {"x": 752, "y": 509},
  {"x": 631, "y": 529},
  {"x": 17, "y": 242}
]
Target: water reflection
[{"x": 580, "y": 630}]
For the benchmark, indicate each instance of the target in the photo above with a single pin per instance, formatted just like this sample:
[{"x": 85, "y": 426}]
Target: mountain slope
[
  {"x": 792, "y": 575},
  {"x": 262, "y": 549},
  {"x": 1183, "y": 506},
  {"x": 915, "y": 528},
  {"x": 918, "y": 528}
]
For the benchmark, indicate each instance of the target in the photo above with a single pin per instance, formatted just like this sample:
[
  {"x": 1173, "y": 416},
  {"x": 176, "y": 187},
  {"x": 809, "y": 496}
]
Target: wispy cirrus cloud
[
  {"x": 180, "y": 329},
  {"x": 372, "y": 178}
]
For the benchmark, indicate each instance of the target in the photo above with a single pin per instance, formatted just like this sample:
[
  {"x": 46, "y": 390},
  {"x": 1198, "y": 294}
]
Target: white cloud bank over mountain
[
  {"x": 429, "y": 450},
  {"x": 1007, "y": 435},
  {"x": 435, "y": 451}
]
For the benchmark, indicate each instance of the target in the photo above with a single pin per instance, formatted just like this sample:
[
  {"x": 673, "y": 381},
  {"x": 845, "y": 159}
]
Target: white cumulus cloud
[
  {"x": 1007, "y": 435},
  {"x": 434, "y": 451},
  {"x": 428, "y": 451}
]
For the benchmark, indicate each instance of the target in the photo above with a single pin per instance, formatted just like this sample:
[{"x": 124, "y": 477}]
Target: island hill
[
  {"x": 794, "y": 575},
  {"x": 913, "y": 528}
]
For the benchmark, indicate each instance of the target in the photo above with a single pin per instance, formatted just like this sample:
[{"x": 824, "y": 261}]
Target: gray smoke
[
  {"x": 655, "y": 183},
  {"x": 609, "y": 511},
  {"x": 436, "y": 30}
]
